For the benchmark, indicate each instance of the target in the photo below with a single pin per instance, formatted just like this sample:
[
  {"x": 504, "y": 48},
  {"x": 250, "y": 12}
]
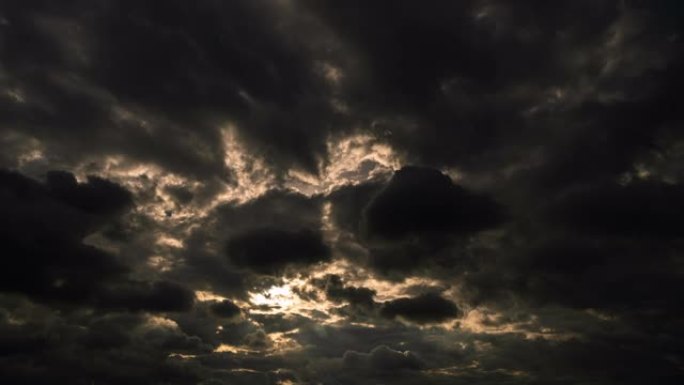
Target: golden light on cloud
[
  {"x": 331, "y": 73},
  {"x": 352, "y": 160},
  {"x": 159, "y": 263},
  {"x": 252, "y": 176},
  {"x": 33, "y": 155},
  {"x": 155, "y": 321},
  {"x": 149, "y": 184},
  {"x": 282, "y": 342},
  {"x": 357, "y": 276},
  {"x": 281, "y": 298},
  {"x": 278, "y": 343},
  {"x": 30, "y": 150},
  {"x": 165, "y": 240},
  {"x": 205, "y": 295},
  {"x": 287, "y": 299},
  {"x": 488, "y": 321},
  {"x": 227, "y": 348},
  {"x": 336, "y": 192}
]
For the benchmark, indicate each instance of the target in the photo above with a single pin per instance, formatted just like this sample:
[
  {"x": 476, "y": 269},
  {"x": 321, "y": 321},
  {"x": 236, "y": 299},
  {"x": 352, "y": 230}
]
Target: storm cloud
[{"x": 341, "y": 192}]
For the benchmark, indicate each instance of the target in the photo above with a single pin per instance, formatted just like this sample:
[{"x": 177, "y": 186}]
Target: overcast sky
[{"x": 341, "y": 192}]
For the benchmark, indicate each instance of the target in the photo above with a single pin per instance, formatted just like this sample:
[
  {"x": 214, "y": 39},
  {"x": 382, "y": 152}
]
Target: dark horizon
[{"x": 333, "y": 192}]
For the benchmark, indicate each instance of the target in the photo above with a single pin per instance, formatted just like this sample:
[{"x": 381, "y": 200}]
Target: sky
[{"x": 336, "y": 192}]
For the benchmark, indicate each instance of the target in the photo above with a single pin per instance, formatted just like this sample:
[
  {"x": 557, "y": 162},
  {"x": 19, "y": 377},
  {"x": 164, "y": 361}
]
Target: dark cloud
[
  {"x": 181, "y": 194},
  {"x": 196, "y": 67},
  {"x": 422, "y": 201},
  {"x": 349, "y": 202},
  {"x": 45, "y": 256},
  {"x": 425, "y": 308},
  {"x": 276, "y": 208},
  {"x": 97, "y": 195},
  {"x": 337, "y": 291},
  {"x": 588, "y": 273},
  {"x": 291, "y": 217},
  {"x": 604, "y": 246},
  {"x": 106, "y": 349},
  {"x": 211, "y": 148},
  {"x": 484, "y": 85},
  {"x": 225, "y": 309},
  {"x": 417, "y": 220},
  {"x": 382, "y": 358},
  {"x": 42, "y": 234},
  {"x": 639, "y": 209},
  {"x": 269, "y": 250},
  {"x": 161, "y": 296}
]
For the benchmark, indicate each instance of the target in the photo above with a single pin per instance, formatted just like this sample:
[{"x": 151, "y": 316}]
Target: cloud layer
[{"x": 341, "y": 192}]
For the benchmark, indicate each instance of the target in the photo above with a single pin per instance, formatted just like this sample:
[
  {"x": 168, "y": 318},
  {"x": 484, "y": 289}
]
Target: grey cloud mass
[{"x": 341, "y": 192}]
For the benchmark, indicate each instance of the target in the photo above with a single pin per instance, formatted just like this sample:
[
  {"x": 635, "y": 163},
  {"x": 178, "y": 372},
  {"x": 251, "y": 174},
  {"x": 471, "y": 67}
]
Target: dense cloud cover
[{"x": 341, "y": 192}]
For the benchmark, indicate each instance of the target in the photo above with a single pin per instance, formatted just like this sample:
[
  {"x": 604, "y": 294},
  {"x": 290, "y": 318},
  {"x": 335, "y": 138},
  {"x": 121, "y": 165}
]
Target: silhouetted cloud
[
  {"x": 267, "y": 250},
  {"x": 421, "y": 201},
  {"x": 425, "y": 308},
  {"x": 225, "y": 309}
]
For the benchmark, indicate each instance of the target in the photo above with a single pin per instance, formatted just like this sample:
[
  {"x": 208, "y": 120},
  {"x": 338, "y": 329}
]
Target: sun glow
[
  {"x": 290, "y": 300},
  {"x": 280, "y": 298}
]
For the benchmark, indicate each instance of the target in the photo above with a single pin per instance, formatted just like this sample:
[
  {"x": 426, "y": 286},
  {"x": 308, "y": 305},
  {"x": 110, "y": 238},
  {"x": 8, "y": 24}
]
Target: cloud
[
  {"x": 524, "y": 80},
  {"x": 105, "y": 348},
  {"x": 290, "y": 217},
  {"x": 42, "y": 236},
  {"x": 98, "y": 196},
  {"x": 46, "y": 255},
  {"x": 195, "y": 70},
  {"x": 348, "y": 203},
  {"x": 416, "y": 222},
  {"x": 336, "y": 291},
  {"x": 341, "y": 192},
  {"x": 160, "y": 296},
  {"x": 224, "y": 309},
  {"x": 382, "y": 358},
  {"x": 269, "y": 250},
  {"x": 638, "y": 209},
  {"x": 425, "y": 308},
  {"x": 422, "y": 201}
]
